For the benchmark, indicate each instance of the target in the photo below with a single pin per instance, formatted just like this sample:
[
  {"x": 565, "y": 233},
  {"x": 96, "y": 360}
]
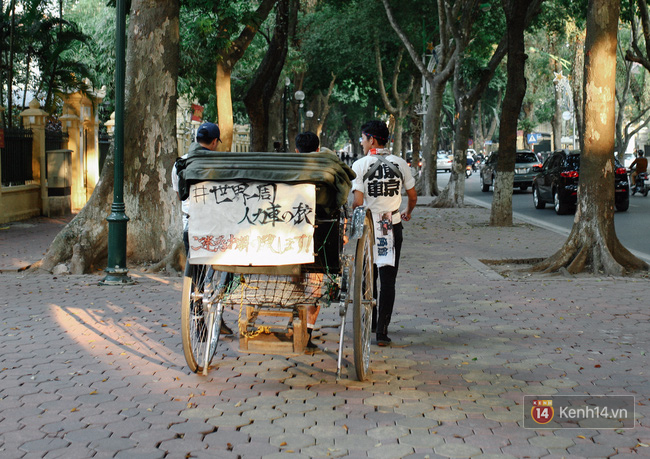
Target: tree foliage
[{"x": 34, "y": 36}]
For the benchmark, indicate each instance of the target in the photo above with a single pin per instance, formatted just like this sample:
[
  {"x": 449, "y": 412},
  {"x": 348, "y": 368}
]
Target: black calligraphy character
[
  {"x": 247, "y": 218},
  {"x": 392, "y": 187},
  {"x": 377, "y": 174},
  {"x": 382, "y": 251},
  {"x": 240, "y": 191},
  {"x": 301, "y": 215},
  {"x": 375, "y": 189},
  {"x": 269, "y": 215},
  {"x": 382, "y": 242},
  {"x": 220, "y": 193},
  {"x": 388, "y": 172},
  {"x": 267, "y": 192},
  {"x": 200, "y": 193}
]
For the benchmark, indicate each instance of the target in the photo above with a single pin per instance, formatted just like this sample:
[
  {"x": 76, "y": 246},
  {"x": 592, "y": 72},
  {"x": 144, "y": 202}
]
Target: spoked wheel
[
  {"x": 362, "y": 297},
  {"x": 200, "y": 325}
]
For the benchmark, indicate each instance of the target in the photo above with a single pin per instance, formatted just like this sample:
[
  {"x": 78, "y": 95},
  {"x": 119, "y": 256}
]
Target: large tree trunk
[
  {"x": 323, "y": 108},
  {"x": 430, "y": 137},
  {"x": 454, "y": 194},
  {"x": 150, "y": 149},
  {"x": 262, "y": 88},
  {"x": 593, "y": 242},
  {"x": 501, "y": 212},
  {"x": 226, "y": 60},
  {"x": 437, "y": 79},
  {"x": 224, "y": 106}
]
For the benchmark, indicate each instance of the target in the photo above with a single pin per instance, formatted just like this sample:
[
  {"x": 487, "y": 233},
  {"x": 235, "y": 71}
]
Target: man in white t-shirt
[{"x": 380, "y": 178}]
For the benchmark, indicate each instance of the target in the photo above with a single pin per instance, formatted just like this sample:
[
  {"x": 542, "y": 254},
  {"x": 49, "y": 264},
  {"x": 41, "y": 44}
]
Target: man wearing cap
[
  {"x": 378, "y": 184},
  {"x": 208, "y": 137}
]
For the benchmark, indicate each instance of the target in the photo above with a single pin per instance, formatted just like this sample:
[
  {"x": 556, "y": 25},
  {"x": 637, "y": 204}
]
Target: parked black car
[
  {"x": 557, "y": 182},
  {"x": 524, "y": 173}
]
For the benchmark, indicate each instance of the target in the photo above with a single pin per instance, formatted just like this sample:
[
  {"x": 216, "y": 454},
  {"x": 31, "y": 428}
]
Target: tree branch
[
  {"x": 380, "y": 77},
  {"x": 239, "y": 45},
  {"x": 407, "y": 44}
]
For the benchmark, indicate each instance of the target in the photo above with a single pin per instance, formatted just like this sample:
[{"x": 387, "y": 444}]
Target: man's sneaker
[
  {"x": 383, "y": 340},
  {"x": 225, "y": 329}
]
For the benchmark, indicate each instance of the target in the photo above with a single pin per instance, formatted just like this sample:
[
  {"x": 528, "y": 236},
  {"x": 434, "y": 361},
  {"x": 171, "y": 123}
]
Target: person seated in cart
[
  {"x": 208, "y": 137},
  {"x": 380, "y": 178},
  {"x": 308, "y": 142}
]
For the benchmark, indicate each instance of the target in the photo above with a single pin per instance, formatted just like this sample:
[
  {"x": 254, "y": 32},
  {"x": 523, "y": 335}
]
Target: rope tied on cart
[{"x": 242, "y": 325}]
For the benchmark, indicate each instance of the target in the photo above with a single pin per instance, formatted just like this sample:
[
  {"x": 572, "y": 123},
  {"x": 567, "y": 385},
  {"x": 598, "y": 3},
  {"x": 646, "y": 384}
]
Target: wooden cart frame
[{"x": 346, "y": 277}]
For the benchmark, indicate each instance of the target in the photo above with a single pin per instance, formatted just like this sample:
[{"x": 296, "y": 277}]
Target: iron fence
[
  {"x": 104, "y": 148},
  {"x": 16, "y": 157},
  {"x": 55, "y": 140}
]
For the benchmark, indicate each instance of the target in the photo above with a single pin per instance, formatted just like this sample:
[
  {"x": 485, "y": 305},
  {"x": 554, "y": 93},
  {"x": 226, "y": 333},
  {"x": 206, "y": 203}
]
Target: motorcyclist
[
  {"x": 641, "y": 164},
  {"x": 470, "y": 165}
]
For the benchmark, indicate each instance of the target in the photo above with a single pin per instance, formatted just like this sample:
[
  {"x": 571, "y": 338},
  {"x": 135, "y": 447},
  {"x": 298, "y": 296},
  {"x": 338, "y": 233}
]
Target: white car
[{"x": 444, "y": 161}]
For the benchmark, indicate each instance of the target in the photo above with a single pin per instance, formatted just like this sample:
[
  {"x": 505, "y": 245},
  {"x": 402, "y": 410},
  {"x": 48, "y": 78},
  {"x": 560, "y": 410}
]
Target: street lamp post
[
  {"x": 309, "y": 114},
  {"x": 285, "y": 126},
  {"x": 300, "y": 96},
  {"x": 116, "y": 270}
]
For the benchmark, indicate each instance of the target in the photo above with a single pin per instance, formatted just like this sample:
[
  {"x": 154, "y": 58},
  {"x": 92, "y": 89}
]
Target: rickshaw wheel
[
  {"x": 363, "y": 299},
  {"x": 194, "y": 330}
]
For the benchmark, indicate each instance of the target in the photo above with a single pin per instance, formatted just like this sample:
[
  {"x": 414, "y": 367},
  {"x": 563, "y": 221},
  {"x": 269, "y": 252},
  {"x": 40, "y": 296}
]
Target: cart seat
[{"x": 332, "y": 177}]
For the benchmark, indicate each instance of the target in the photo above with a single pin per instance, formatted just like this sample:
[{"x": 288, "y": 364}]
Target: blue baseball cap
[{"x": 207, "y": 132}]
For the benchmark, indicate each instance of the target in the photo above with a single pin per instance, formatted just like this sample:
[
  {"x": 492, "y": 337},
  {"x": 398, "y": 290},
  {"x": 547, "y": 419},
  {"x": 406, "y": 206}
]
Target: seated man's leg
[{"x": 313, "y": 309}]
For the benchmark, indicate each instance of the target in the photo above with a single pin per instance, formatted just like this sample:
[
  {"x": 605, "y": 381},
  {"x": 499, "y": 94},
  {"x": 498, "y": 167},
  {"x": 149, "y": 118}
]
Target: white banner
[
  {"x": 251, "y": 223},
  {"x": 384, "y": 241}
]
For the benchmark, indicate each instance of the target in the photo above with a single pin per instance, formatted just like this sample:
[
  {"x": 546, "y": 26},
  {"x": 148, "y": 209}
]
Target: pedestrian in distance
[{"x": 380, "y": 177}]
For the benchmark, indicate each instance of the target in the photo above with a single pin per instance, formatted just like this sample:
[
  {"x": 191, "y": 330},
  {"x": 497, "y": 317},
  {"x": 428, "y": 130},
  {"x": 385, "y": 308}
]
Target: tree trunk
[
  {"x": 501, "y": 212},
  {"x": 578, "y": 86},
  {"x": 261, "y": 90},
  {"x": 10, "y": 76},
  {"x": 556, "y": 119},
  {"x": 326, "y": 107},
  {"x": 430, "y": 136},
  {"x": 150, "y": 150},
  {"x": 593, "y": 242},
  {"x": 226, "y": 60},
  {"x": 224, "y": 106},
  {"x": 454, "y": 193}
]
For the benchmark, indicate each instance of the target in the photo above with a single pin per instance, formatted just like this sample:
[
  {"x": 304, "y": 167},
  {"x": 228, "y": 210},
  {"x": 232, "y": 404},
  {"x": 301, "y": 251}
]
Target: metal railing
[{"x": 16, "y": 157}]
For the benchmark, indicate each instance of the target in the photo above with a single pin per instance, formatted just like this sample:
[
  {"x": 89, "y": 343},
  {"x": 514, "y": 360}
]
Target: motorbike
[
  {"x": 640, "y": 184},
  {"x": 468, "y": 171}
]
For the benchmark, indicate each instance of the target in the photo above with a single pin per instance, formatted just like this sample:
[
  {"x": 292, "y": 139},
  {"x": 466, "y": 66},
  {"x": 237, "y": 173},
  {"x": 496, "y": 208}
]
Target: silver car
[
  {"x": 524, "y": 173},
  {"x": 444, "y": 161}
]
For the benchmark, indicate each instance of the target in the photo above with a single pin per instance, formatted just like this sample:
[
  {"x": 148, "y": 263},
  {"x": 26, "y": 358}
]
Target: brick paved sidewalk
[
  {"x": 90, "y": 371},
  {"x": 25, "y": 242}
]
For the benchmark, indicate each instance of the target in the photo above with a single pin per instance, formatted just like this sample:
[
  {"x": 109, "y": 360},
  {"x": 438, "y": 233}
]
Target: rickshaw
[{"x": 267, "y": 234}]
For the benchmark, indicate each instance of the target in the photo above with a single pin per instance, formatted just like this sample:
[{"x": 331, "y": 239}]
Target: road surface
[{"x": 631, "y": 226}]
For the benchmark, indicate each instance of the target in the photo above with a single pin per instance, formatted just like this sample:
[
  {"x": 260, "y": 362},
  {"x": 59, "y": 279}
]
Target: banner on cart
[{"x": 251, "y": 223}]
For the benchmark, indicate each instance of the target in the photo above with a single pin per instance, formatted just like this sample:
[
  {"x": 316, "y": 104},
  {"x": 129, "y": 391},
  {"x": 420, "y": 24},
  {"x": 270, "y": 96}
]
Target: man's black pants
[{"x": 387, "y": 276}]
